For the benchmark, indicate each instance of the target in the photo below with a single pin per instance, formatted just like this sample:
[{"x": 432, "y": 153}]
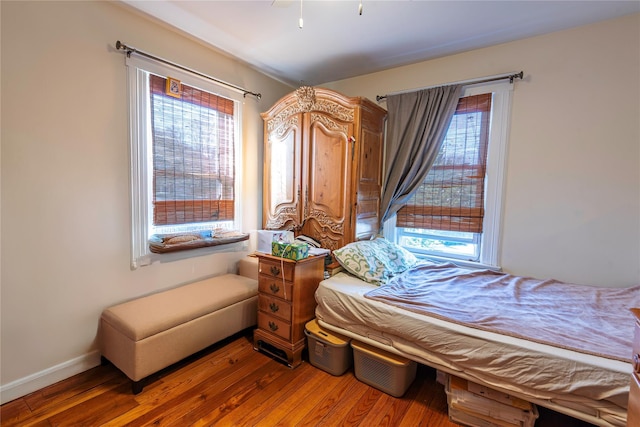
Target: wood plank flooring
[{"x": 231, "y": 384}]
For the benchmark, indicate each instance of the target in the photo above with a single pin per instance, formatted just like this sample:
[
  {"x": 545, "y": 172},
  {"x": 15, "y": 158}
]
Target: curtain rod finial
[
  {"x": 257, "y": 95},
  {"x": 519, "y": 75}
]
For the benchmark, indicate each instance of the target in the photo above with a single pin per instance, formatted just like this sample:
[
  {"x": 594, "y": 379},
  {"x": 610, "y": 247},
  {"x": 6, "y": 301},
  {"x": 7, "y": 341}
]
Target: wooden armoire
[{"x": 323, "y": 156}]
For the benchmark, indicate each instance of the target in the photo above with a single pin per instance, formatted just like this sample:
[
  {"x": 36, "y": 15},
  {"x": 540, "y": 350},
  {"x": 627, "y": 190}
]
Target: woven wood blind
[
  {"x": 193, "y": 155},
  {"x": 451, "y": 196}
]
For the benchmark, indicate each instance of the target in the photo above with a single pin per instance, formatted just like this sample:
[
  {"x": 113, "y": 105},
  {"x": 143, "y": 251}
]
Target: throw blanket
[{"x": 583, "y": 318}]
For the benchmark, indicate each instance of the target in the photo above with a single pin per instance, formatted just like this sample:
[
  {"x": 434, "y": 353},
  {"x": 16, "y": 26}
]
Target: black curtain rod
[
  {"x": 129, "y": 50},
  {"x": 511, "y": 77}
]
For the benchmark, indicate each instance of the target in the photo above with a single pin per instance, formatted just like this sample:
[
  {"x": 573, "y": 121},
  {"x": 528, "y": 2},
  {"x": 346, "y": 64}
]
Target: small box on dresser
[{"x": 293, "y": 251}]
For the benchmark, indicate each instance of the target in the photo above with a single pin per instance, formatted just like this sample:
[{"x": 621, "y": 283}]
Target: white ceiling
[{"x": 336, "y": 42}]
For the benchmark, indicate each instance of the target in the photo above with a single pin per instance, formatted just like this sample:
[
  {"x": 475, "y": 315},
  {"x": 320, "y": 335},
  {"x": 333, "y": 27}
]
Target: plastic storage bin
[
  {"x": 328, "y": 350},
  {"x": 385, "y": 371}
]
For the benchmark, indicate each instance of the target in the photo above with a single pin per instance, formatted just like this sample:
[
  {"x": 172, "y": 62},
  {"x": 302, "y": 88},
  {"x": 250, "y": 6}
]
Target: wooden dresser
[
  {"x": 633, "y": 413},
  {"x": 286, "y": 302}
]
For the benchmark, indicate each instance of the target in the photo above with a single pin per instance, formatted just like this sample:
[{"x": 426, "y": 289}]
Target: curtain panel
[{"x": 416, "y": 126}]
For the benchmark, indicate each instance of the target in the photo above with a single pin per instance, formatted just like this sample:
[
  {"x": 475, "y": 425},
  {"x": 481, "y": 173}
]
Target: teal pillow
[
  {"x": 395, "y": 257},
  {"x": 374, "y": 261}
]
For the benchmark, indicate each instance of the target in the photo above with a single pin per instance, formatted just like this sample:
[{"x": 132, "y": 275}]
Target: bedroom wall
[
  {"x": 64, "y": 173},
  {"x": 572, "y": 196}
]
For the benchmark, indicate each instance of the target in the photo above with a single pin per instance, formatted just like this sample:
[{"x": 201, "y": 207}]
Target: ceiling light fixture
[{"x": 300, "y": 22}]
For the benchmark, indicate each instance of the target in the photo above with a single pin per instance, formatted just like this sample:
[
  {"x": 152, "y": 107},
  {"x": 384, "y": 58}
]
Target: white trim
[
  {"x": 496, "y": 166},
  {"x": 138, "y": 169},
  {"x": 29, "y": 384},
  {"x": 389, "y": 229}
]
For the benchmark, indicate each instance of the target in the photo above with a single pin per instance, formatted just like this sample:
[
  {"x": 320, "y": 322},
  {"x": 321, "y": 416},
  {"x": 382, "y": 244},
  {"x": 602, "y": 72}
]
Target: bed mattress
[{"x": 586, "y": 386}]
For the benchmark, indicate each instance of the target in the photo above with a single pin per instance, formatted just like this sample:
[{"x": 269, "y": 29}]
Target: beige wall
[
  {"x": 572, "y": 197},
  {"x": 65, "y": 172}
]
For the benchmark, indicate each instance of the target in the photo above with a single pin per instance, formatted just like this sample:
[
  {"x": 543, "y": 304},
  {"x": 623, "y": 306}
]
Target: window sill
[
  {"x": 155, "y": 258},
  {"x": 158, "y": 243}
]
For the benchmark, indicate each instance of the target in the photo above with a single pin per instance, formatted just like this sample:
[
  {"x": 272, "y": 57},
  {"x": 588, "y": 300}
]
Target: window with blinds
[
  {"x": 193, "y": 155},
  {"x": 185, "y": 167},
  {"x": 451, "y": 197},
  {"x": 444, "y": 217}
]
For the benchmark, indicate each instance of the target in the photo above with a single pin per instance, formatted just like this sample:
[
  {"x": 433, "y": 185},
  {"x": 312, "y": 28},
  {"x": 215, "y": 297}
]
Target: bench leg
[{"x": 136, "y": 386}]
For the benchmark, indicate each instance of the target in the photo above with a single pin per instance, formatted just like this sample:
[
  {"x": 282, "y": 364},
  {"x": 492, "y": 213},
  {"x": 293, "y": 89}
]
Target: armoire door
[
  {"x": 282, "y": 187},
  {"x": 328, "y": 173},
  {"x": 368, "y": 178}
]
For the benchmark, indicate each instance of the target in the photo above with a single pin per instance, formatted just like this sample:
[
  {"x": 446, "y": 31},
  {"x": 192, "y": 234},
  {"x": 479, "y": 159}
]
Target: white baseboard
[{"x": 52, "y": 375}]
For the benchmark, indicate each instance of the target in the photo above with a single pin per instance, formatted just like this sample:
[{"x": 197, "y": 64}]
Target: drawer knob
[
  {"x": 274, "y": 307},
  {"x": 274, "y": 288},
  {"x": 275, "y": 270},
  {"x": 273, "y": 326}
]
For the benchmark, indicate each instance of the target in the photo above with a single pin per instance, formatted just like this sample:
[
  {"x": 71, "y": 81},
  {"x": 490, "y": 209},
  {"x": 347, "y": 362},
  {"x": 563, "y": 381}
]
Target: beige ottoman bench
[{"x": 143, "y": 336}]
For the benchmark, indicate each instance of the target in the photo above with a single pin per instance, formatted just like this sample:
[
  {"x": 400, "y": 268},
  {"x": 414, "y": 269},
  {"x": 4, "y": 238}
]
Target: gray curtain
[{"x": 416, "y": 126}]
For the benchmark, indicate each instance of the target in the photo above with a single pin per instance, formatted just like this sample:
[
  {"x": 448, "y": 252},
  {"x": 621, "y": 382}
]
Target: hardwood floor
[{"x": 230, "y": 384}]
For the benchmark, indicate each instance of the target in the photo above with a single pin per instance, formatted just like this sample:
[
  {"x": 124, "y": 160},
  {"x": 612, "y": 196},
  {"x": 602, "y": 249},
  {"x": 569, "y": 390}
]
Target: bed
[{"x": 562, "y": 346}]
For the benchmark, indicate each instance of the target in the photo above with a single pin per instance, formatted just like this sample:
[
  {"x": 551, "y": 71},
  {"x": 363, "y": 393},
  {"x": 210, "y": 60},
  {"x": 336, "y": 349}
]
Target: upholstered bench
[{"x": 143, "y": 336}]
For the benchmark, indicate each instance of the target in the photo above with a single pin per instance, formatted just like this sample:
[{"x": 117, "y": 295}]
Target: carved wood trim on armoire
[{"x": 323, "y": 156}]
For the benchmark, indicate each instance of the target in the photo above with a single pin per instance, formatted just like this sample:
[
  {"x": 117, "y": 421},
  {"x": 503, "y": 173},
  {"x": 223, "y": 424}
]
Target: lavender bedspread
[{"x": 583, "y": 318}]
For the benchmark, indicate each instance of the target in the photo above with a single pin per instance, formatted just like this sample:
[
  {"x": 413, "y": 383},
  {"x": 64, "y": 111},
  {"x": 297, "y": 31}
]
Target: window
[
  {"x": 455, "y": 214},
  {"x": 184, "y": 154},
  {"x": 192, "y": 144}
]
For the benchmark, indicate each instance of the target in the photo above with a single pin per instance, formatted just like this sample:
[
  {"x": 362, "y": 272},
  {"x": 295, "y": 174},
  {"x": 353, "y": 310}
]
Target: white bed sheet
[{"x": 588, "y": 384}]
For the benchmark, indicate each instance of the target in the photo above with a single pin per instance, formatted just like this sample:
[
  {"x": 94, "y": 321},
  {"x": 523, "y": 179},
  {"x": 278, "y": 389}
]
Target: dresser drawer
[
  {"x": 275, "y": 307},
  {"x": 274, "y": 325},
  {"x": 275, "y": 269},
  {"x": 275, "y": 287}
]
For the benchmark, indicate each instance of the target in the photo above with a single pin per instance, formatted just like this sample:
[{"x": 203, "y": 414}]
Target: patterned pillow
[
  {"x": 374, "y": 261},
  {"x": 396, "y": 258}
]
